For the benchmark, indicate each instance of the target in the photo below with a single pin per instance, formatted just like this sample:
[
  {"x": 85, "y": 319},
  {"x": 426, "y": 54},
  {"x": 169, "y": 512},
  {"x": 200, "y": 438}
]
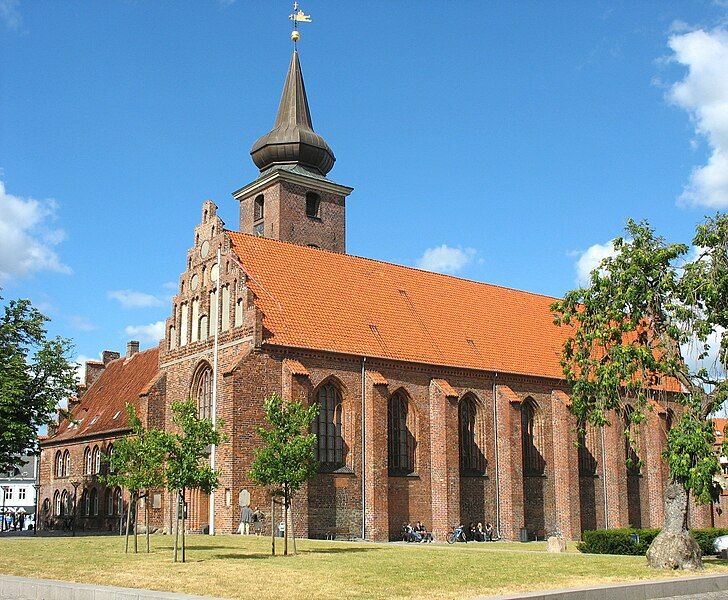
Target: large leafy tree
[
  {"x": 36, "y": 374},
  {"x": 137, "y": 464},
  {"x": 187, "y": 467},
  {"x": 652, "y": 315},
  {"x": 287, "y": 458}
]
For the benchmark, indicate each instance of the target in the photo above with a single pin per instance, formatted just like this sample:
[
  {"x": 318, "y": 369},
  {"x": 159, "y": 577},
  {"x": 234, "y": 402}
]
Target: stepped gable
[{"x": 102, "y": 408}]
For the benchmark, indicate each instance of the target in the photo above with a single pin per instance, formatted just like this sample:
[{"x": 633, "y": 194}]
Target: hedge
[{"x": 619, "y": 541}]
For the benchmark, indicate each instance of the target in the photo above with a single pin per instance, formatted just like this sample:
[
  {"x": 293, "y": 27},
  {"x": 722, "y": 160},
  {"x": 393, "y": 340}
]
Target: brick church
[{"x": 441, "y": 399}]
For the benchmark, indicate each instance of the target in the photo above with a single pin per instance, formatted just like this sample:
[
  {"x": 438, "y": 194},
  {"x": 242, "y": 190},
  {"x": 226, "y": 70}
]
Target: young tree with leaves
[
  {"x": 187, "y": 459},
  {"x": 651, "y": 315},
  {"x": 137, "y": 464},
  {"x": 36, "y": 374},
  {"x": 287, "y": 458}
]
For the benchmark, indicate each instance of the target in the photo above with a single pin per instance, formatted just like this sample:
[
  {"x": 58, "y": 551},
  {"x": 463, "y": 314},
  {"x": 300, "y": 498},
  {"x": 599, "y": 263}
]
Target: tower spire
[{"x": 292, "y": 141}]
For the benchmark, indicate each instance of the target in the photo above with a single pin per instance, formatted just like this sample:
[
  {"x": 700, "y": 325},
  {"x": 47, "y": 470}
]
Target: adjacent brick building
[{"x": 442, "y": 399}]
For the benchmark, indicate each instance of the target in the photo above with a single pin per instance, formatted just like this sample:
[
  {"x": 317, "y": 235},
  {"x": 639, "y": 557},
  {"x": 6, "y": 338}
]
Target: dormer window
[{"x": 312, "y": 205}]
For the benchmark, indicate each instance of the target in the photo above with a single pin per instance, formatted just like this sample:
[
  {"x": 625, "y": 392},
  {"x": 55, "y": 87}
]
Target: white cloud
[
  {"x": 133, "y": 299},
  {"x": 26, "y": 242},
  {"x": 703, "y": 93},
  {"x": 146, "y": 333},
  {"x": 81, "y": 367},
  {"x": 445, "y": 259},
  {"x": 590, "y": 259},
  {"x": 81, "y": 323},
  {"x": 10, "y": 13}
]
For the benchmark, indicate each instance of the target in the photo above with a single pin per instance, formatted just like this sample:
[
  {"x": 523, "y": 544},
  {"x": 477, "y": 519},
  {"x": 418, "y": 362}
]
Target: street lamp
[
  {"x": 5, "y": 492},
  {"x": 75, "y": 483},
  {"x": 36, "y": 513}
]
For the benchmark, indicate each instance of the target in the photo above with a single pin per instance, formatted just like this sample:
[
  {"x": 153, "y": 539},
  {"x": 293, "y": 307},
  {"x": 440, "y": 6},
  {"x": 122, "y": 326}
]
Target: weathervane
[{"x": 297, "y": 16}]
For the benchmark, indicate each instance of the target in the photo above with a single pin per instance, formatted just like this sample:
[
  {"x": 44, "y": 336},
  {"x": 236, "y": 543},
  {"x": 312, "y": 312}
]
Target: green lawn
[{"x": 240, "y": 567}]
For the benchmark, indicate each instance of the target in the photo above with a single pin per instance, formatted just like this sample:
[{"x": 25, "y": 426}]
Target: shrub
[
  {"x": 619, "y": 541},
  {"x": 616, "y": 541}
]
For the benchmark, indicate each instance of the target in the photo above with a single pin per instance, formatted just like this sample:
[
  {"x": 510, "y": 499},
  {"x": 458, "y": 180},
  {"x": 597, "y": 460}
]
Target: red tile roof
[
  {"x": 342, "y": 303},
  {"x": 102, "y": 407}
]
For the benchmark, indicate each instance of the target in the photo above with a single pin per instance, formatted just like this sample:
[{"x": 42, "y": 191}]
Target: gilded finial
[{"x": 297, "y": 16}]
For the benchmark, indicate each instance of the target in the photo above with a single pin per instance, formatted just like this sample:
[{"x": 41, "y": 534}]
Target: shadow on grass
[
  {"x": 336, "y": 550},
  {"x": 244, "y": 556}
]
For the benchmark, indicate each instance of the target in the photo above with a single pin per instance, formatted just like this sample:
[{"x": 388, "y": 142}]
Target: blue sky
[{"x": 504, "y": 142}]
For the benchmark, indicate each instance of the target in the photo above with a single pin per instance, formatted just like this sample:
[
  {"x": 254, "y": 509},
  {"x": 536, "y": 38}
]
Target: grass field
[{"x": 240, "y": 567}]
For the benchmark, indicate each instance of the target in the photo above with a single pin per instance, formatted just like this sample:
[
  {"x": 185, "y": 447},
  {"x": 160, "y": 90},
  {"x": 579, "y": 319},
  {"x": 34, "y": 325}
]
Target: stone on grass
[{"x": 555, "y": 544}]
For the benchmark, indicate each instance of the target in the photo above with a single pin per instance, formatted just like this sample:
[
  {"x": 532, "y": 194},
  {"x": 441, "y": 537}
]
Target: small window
[
  {"x": 312, "y": 205},
  {"x": 258, "y": 208}
]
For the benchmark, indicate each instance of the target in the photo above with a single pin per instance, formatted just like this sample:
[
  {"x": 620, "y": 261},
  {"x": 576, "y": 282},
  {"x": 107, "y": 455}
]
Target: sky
[{"x": 506, "y": 142}]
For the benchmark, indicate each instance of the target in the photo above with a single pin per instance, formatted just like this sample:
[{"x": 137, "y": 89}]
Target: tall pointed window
[
  {"x": 588, "y": 451},
  {"x": 96, "y": 459},
  {"x": 57, "y": 504},
  {"x": 472, "y": 437},
  {"x": 58, "y": 464},
  {"x": 85, "y": 503},
  {"x": 87, "y": 461},
  {"x": 400, "y": 437},
  {"x": 109, "y": 502},
  {"x": 532, "y": 432},
  {"x": 632, "y": 459},
  {"x": 202, "y": 391},
  {"x": 66, "y": 463},
  {"x": 94, "y": 502},
  {"x": 327, "y": 427}
]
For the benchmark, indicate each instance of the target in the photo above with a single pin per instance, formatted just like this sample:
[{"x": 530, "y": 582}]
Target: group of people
[
  {"x": 476, "y": 533},
  {"x": 251, "y": 521},
  {"x": 416, "y": 533}
]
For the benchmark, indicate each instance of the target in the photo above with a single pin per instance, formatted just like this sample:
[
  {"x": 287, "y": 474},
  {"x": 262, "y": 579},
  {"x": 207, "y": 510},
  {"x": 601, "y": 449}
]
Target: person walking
[{"x": 246, "y": 517}]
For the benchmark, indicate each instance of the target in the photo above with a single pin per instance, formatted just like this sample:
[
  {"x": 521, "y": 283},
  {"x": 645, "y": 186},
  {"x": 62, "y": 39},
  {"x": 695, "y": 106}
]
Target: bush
[
  {"x": 619, "y": 541},
  {"x": 616, "y": 541}
]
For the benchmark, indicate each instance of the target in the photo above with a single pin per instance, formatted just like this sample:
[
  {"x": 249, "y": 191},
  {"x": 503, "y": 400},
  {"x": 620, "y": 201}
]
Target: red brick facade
[{"x": 292, "y": 319}]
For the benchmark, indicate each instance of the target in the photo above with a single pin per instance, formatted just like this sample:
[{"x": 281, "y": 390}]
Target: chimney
[
  {"x": 108, "y": 355},
  {"x": 132, "y": 347},
  {"x": 94, "y": 368}
]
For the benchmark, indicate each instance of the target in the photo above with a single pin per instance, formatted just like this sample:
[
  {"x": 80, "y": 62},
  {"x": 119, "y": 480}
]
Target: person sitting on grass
[
  {"x": 479, "y": 533},
  {"x": 488, "y": 532},
  {"x": 425, "y": 536}
]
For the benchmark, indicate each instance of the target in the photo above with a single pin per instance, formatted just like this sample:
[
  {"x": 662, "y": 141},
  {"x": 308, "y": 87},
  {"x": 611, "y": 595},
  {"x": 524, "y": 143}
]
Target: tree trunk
[
  {"x": 184, "y": 525},
  {"x": 674, "y": 547},
  {"x": 176, "y": 526},
  {"x": 135, "y": 497},
  {"x": 272, "y": 526},
  {"x": 146, "y": 518},
  {"x": 293, "y": 528},
  {"x": 128, "y": 520},
  {"x": 285, "y": 520}
]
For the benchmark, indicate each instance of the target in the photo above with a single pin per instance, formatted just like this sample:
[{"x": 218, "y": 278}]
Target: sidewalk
[{"x": 22, "y": 588}]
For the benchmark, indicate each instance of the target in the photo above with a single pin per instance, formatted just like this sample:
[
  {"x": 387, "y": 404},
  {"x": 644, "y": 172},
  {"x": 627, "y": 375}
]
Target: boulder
[{"x": 555, "y": 544}]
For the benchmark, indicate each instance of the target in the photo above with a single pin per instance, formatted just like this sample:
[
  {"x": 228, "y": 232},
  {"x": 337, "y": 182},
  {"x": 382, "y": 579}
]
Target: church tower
[{"x": 292, "y": 200}]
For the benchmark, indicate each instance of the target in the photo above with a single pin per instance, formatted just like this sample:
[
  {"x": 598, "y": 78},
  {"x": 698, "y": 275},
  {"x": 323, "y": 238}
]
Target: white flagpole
[{"x": 218, "y": 314}]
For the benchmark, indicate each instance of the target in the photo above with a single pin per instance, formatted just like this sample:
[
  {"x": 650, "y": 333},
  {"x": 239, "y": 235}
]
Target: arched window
[
  {"x": 239, "y": 312},
  {"x": 532, "y": 431},
  {"x": 109, "y": 502},
  {"x": 327, "y": 426},
  {"x": 65, "y": 504},
  {"x": 202, "y": 391},
  {"x": 204, "y": 326},
  {"x": 258, "y": 208},
  {"x": 57, "y": 506},
  {"x": 588, "y": 451},
  {"x": 87, "y": 461},
  {"x": 85, "y": 503},
  {"x": 472, "y": 437},
  {"x": 400, "y": 439},
  {"x": 118, "y": 501},
  {"x": 631, "y": 457},
  {"x": 96, "y": 459},
  {"x": 66, "y": 463},
  {"x": 312, "y": 204},
  {"x": 94, "y": 501},
  {"x": 58, "y": 462}
]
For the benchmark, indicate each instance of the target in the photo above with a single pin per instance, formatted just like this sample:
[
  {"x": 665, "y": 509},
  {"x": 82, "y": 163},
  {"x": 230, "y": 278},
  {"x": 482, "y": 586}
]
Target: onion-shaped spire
[{"x": 292, "y": 139}]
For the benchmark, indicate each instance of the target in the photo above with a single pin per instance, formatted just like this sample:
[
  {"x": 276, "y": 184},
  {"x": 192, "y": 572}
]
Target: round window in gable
[{"x": 205, "y": 249}]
